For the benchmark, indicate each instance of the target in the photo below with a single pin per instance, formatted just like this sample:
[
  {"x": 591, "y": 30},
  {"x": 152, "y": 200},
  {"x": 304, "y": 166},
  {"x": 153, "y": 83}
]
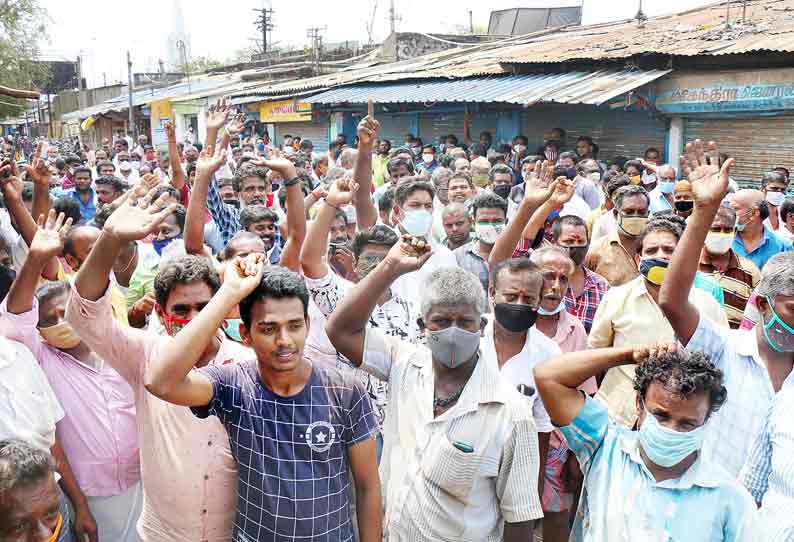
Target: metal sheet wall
[
  {"x": 758, "y": 143},
  {"x": 617, "y": 133},
  {"x": 394, "y": 128}
]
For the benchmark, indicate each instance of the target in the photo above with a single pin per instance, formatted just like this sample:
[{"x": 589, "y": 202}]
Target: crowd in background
[{"x": 419, "y": 340}]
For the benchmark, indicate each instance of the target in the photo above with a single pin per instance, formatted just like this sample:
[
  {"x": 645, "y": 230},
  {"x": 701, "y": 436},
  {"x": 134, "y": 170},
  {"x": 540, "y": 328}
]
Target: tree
[
  {"x": 201, "y": 64},
  {"x": 22, "y": 28}
]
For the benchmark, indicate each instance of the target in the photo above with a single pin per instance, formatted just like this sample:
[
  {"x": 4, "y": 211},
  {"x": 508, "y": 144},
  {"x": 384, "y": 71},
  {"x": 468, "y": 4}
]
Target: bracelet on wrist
[
  {"x": 325, "y": 200},
  {"x": 293, "y": 181}
]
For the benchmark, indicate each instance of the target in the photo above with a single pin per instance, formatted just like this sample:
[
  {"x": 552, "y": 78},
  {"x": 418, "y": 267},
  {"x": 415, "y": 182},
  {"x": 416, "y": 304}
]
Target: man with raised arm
[
  {"x": 300, "y": 432},
  {"x": 757, "y": 363},
  {"x": 186, "y": 466},
  {"x": 652, "y": 483},
  {"x": 460, "y": 459}
]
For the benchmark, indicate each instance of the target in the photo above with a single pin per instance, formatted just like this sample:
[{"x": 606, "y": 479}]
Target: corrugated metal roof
[
  {"x": 576, "y": 87},
  {"x": 768, "y": 25}
]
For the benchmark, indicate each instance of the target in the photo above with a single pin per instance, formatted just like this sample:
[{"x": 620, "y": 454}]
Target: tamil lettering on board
[{"x": 720, "y": 98}]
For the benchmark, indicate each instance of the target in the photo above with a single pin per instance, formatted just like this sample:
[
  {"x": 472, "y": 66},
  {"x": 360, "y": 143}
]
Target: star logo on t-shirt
[{"x": 320, "y": 436}]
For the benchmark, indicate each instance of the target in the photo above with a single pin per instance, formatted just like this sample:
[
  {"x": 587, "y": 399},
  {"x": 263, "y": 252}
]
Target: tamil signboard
[
  {"x": 285, "y": 111},
  {"x": 727, "y": 92}
]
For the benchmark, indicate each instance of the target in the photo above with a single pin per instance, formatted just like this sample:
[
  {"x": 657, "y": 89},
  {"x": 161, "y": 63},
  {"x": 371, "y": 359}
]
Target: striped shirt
[
  {"x": 769, "y": 471},
  {"x": 737, "y": 282},
  {"x": 461, "y": 475}
]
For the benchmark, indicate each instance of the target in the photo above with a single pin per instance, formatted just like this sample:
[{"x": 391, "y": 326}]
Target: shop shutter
[
  {"x": 434, "y": 125},
  {"x": 316, "y": 132},
  {"x": 758, "y": 144},
  {"x": 617, "y": 132},
  {"x": 481, "y": 122},
  {"x": 394, "y": 128}
]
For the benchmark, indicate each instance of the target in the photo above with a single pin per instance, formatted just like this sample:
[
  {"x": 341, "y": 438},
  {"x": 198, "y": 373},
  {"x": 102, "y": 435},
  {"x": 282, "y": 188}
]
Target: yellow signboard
[
  {"x": 160, "y": 109},
  {"x": 285, "y": 111},
  {"x": 160, "y": 113}
]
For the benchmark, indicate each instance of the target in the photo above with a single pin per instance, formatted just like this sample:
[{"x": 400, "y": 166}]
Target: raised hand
[
  {"x": 281, "y": 166},
  {"x": 541, "y": 184},
  {"x": 217, "y": 115},
  {"x": 38, "y": 170},
  {"x": 48, "y": 241},
  {"x": 169, "y": 131},
  {"x": 10, "y": 183},
  {"x": 650, "y": 166},
  {"x": 341, "y": 192},
  {"x": 368, "y": 128},
  {"x": 709, "y": 180},
  {"x": 644, "y": 352},
  {"x": 563, "y": 190},
  {"x": 236, "y": 125},
  {"x": 243, "y": 275},
  {"x": 409, "y": 254},
  {"x": 137, "y": 218},
  {"x": 207, "y": 164}
]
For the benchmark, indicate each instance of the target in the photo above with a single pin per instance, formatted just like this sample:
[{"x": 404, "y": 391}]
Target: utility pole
[
  {"x": 265, "y": 24},
  {"x": 79, "y": 73},
  {"x": 393, "y": 17},
  {"x": 471, "y": 22},
  {"x": 317, "y": 44},
  {"x": 131, "y": 119}
]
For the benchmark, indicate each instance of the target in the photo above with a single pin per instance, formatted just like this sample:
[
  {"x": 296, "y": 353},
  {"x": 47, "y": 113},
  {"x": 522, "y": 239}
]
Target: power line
[{"x": 317, "y": 45}]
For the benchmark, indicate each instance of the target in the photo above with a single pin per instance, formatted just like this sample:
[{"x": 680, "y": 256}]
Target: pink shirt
[
  {"x": 98, "y": 432},
  {"x": 189, "y": 475},
  {"x": 572, "y": 337}
]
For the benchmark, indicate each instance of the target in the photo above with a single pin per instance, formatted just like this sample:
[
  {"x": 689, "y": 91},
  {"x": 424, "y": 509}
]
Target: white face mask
[
  {"x": 427, "y": 158},
  {"x": 488, "y": 233},
  {"x": 776, "y": 198},
  {"x": 594, "y": 176},
  {"x": 519, "y": 148},
  {"x": 718, "y": 243},
  {"x": 417, "y": 222}
]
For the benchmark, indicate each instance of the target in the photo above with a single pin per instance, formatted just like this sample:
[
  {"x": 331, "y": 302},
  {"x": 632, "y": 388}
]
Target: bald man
[
  {"x": 754, "y": 240},
  {"x": 683, "y": 199}
]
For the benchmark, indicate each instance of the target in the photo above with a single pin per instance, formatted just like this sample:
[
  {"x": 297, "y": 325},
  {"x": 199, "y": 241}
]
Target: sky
[{"x": 101, "y": 31}]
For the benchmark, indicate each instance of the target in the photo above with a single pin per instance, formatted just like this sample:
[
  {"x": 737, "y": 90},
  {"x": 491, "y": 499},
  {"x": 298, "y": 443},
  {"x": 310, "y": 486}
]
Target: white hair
[
  {"x": 450, "y": 286},
  {"x": 777, "y": 278}
]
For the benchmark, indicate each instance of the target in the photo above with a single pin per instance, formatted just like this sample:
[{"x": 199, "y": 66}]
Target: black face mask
[
  {"x": 502, "y": 190},
  {"x": 515, "y": 317},
  {"x": 684, "y": 206},
  {"x": 577, "y": 254}
]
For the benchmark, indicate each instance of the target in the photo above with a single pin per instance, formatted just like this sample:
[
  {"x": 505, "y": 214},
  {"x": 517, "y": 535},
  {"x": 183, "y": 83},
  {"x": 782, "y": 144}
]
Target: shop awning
[{"x": 576, "y": 87}]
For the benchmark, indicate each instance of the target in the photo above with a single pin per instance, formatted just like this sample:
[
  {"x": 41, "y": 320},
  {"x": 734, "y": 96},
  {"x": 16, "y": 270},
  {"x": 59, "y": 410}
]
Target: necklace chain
[{"x": 446, "y": 401}]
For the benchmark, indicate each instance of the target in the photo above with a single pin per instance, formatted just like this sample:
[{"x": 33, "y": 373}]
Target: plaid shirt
[
  {"x": 585, "y": 304},
  {"x": 227, "y": 218}
]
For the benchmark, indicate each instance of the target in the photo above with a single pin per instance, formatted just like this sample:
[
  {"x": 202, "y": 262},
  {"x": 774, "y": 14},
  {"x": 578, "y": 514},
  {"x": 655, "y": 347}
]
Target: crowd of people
[{"x": 248, "y": 340}]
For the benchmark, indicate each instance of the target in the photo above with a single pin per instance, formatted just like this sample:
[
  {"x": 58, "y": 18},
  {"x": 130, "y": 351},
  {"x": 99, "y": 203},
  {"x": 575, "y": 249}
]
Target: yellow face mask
[
  {"x": 480, "y": 181},
  {"x": 635, "y": 179},
  {"x": 61, "y": 336}
]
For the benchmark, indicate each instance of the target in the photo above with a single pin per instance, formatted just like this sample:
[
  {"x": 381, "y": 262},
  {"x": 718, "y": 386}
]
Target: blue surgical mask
[
  {"x": 558, "y": 310},
  {"x": 666, "y": 187},
  {"x": 232, "y": 328},
  {"x": 666, "y": 447},
  {"x": 159, "y": 245},
  {"x": 779, "y": 335}
]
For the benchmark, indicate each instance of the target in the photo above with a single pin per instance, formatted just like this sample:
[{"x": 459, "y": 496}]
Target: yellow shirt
[
  {"x": 628, "y": 315},
  {"x": 611, "y": 260}
]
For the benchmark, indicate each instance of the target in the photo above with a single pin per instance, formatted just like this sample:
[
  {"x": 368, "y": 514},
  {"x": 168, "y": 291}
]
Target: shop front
[
  {"x": 296, "y": 118},
  {"x": 749, "y": 114}
]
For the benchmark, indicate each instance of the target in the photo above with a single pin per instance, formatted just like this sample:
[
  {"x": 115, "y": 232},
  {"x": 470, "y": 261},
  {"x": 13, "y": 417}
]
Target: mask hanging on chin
[
  {"x": 561, "y": 307},
  {"x": 61, "y": 336}
]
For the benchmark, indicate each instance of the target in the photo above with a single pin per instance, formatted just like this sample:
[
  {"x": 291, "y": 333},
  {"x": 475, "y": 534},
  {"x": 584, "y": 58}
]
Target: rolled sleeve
[
  {"x": 22, "y": 327},
  {"x": 587, "y": 431},
  {"x": 711, "y": 339},
  {"x": 381, "y": 352},
  {"x": 221, "y": 404},
  {"x": 517, "y": 482},
  {"x": 126, "y": 349}
]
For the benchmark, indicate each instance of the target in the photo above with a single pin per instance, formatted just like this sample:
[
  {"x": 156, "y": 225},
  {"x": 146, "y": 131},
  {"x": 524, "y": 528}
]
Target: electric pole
[
  {"x": 471, "y": 22},
  {"x": 393, "y": 17},
  {"x": 131, "y": 120},
  {"x": 264, "y": 23},
  {"x": 317, "y": 44}
]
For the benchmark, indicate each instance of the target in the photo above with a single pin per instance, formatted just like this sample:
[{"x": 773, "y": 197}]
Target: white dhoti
[{"x": 117, "y": 516}]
